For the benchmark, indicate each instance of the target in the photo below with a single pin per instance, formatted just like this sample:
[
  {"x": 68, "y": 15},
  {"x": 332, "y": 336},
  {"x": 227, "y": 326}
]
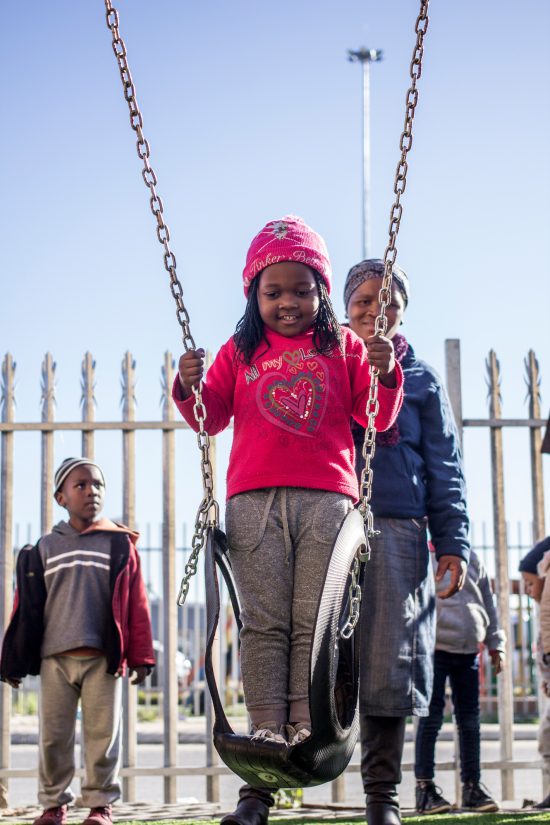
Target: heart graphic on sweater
[
  {"x": 296, "y": 403},
  {"x": 297, "y": 400}
]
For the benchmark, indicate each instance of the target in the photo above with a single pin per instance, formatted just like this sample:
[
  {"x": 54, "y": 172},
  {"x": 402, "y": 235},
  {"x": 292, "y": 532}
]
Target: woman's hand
[
  {"x": 457, "y": 568},
  {"x": 191, "y": 370},
  {"x": 381, "y": 355}
]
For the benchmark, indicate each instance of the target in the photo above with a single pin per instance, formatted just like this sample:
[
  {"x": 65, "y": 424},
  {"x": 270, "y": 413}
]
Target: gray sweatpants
[
  {"x": 280, "y": 540},
  {"x": 63, "y": 681}
]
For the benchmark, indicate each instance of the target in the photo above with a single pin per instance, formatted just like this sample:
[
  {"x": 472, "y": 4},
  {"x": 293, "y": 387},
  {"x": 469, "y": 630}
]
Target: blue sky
[{"x": 253, "y": 111}]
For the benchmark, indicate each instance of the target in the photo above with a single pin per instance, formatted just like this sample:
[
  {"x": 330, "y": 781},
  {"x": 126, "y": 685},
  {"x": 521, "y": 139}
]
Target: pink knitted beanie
[{"x": 288, "y": 239}]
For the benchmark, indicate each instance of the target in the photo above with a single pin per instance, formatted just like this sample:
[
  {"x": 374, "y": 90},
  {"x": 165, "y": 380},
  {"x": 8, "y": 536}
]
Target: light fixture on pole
[{"x": 366, "y": 57}]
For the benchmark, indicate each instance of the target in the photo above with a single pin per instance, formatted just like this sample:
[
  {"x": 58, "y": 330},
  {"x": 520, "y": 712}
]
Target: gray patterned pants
[{"x": 280, "y": 540}]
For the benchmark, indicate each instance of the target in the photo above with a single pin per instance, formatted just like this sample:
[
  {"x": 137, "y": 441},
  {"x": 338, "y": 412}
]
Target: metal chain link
[
  {"x": 390, "y": 255},
  {"x": 208, "y": 512},
  {"x": 381, "y": 323},
  {"x": 354, "y": 594}
]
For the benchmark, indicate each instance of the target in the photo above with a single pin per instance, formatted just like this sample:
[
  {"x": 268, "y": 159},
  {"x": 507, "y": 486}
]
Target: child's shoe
[
  {"x": 52, "y": 816},
  {"x": 476, "y": 798},
  {"x": 99, "y": 816},
  {"x": 271, "y": 731},
  {"x": 429, "y": 799},
  {"x": 298, "y": 733}
]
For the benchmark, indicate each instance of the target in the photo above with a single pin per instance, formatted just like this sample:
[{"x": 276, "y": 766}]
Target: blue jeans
[{"x": 463, "y": 672}]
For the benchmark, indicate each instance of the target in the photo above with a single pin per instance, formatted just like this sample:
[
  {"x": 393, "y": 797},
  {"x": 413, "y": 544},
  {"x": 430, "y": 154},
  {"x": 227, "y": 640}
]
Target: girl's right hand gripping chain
[{"x": 191, "y": 370}]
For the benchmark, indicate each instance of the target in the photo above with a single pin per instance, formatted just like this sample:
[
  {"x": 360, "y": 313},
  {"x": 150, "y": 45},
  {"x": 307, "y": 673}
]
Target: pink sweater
[{"x": 291, "y": 410}]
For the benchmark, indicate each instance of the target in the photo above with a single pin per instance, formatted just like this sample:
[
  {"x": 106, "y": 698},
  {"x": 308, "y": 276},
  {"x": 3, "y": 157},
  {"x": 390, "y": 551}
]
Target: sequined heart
[
  {"x": 296, "y": 404},
  {"x": 298, "y": 400}
]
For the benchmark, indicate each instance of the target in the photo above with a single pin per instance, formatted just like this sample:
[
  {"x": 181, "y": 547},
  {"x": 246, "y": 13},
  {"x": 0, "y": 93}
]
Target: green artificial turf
[
  {"x": 441, "y": 819},
  {"x": 481, "y": 819}
]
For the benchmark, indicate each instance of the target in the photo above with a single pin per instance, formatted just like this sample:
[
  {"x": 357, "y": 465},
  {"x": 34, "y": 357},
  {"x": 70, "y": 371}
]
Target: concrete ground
[{"x": 192, "y": 789}]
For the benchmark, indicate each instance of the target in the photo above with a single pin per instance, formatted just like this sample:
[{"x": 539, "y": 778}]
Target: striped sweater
[{"x": 78, "y": 595}]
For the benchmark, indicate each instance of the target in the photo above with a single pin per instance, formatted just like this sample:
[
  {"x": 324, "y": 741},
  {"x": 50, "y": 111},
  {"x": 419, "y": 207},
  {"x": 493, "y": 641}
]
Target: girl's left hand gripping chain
[{"x": 191, "y": 370}]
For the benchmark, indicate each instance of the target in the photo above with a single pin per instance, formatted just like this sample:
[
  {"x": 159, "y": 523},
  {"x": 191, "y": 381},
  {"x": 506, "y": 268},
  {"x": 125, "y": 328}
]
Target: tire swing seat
[{"x": 333, "y": 684}]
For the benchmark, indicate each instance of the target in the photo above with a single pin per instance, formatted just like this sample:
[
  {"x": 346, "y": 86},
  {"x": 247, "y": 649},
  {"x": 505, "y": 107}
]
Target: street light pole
[{"x": 366, "y": 57}]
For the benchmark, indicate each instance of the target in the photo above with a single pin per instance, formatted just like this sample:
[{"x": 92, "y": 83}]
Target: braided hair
[{"x": 250, "y": 331}]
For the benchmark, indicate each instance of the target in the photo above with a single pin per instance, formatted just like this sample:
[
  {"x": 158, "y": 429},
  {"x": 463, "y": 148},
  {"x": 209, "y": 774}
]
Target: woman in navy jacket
[{"x": 418, "y": 485}]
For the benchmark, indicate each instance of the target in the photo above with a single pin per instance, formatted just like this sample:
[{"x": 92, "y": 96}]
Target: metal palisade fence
[{"x": 517, "y": 683}]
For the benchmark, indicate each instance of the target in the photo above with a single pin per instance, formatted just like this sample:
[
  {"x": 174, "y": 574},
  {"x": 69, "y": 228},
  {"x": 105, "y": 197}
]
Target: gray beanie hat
[
  {"x": 68, "y": 466},
  {"x": 374, "y": 268}
]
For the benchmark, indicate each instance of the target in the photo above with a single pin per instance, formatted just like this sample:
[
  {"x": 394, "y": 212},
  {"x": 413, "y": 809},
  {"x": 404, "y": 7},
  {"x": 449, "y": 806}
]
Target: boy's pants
[
  {"x": 280, "y": 540},
  {"x": 63, "y": 681},
  {"x": 463, "y": 672}
]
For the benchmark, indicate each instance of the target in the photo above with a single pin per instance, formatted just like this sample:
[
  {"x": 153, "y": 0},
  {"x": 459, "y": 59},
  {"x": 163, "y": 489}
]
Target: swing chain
[
  {"x": 390, "y": 255},
  {"x": 148, "y": 173},
  {"x": 202, "y": 522},
  {"x": 381, "y": 323},
  {"x": 354, "y": 600},
  {"x": 208, "y": 512}
]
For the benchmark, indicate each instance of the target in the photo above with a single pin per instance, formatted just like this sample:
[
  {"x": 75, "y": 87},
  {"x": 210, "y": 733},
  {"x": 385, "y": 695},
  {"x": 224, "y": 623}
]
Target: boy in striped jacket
[{"x": 80, "y": 620}]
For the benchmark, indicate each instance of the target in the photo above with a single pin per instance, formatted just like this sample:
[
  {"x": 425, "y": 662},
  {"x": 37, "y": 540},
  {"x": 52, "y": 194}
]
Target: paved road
[{"x": 150, "y": 789}]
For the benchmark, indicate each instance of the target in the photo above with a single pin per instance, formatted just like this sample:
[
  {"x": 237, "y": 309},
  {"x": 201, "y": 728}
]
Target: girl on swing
[{"x": 291, "y": 377}]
